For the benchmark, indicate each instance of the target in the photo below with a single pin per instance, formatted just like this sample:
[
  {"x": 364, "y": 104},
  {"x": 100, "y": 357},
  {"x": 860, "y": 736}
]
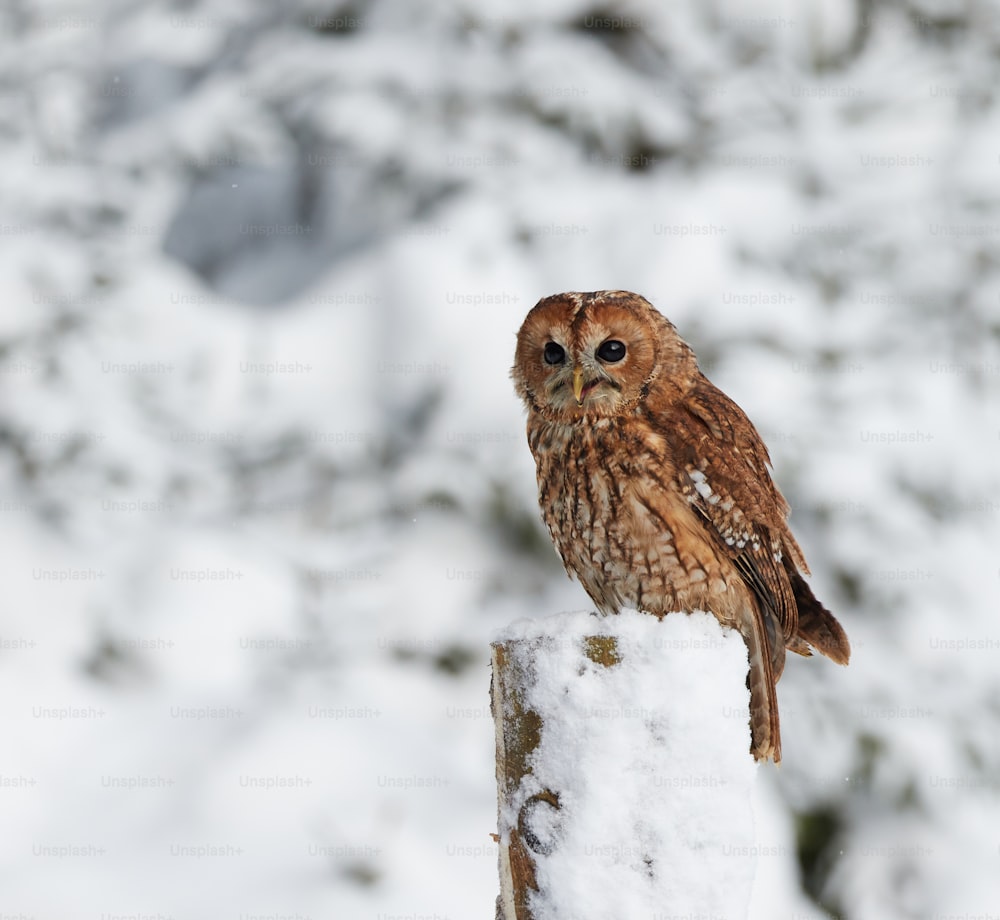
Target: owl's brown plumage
[{"x": 655, "y": 488}]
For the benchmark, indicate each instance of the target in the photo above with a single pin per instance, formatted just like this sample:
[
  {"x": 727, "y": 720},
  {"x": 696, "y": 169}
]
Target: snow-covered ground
[{"x": 264, "y": 493}]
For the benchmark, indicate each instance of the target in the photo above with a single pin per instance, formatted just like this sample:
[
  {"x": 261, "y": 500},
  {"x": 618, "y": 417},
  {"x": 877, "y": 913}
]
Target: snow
[{"x": 650, "y": 761}]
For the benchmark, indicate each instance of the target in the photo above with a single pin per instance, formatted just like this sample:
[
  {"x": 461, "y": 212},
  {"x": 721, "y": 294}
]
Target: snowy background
[{"x": 264, "y": 491}]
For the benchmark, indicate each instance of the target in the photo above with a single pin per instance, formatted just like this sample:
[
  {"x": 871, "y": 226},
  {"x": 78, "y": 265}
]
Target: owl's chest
[
  {"x": 613, "y": 506},
  {"x": 593, "y": 475},
  {"x": 606, "y": 497}
]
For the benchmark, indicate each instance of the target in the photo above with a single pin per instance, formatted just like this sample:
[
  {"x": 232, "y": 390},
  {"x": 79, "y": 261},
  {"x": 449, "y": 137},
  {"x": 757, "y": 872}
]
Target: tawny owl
[{"x": 655, "y": 488}]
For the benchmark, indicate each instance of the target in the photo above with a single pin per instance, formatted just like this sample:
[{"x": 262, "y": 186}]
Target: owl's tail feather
[
  {"x": 817, "y": 626},
  {"x": 765, "y": 730}
]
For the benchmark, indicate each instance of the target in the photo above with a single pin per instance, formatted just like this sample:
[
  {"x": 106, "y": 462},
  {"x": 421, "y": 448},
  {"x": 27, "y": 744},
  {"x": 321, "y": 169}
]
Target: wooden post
[{"x": 623, "y": 768}]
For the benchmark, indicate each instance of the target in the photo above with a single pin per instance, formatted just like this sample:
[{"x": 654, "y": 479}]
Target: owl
[{"x": 655, "y": 489}]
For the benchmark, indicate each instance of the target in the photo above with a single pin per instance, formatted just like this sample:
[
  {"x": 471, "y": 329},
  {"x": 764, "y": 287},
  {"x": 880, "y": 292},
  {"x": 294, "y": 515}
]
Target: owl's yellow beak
[{"x": 578, "y": 385}]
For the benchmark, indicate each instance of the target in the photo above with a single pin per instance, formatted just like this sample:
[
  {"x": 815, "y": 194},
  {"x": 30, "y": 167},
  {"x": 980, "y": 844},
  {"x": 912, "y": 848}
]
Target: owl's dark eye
[
  {"x": 554, "y": 354},
  {"x": 611, "y": 351}
]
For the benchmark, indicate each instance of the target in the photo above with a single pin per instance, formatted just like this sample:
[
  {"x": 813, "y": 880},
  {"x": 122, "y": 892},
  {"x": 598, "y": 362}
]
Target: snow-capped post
[{"x": 623, "y": 768}]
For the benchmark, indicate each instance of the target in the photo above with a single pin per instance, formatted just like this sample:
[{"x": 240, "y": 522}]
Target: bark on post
[{"x": 621, "y": 787}]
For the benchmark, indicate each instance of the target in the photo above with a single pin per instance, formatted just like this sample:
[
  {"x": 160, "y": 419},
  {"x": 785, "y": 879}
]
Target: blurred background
[{"x": 264, "y": 491}]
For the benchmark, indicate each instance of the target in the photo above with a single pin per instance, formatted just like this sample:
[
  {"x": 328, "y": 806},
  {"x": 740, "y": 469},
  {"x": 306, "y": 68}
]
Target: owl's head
[{"x": 587, "y": 355}]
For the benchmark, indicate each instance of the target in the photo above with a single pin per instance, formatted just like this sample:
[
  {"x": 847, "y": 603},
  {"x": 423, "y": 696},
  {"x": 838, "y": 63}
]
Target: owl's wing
[{"x": 722, "y": 467}]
